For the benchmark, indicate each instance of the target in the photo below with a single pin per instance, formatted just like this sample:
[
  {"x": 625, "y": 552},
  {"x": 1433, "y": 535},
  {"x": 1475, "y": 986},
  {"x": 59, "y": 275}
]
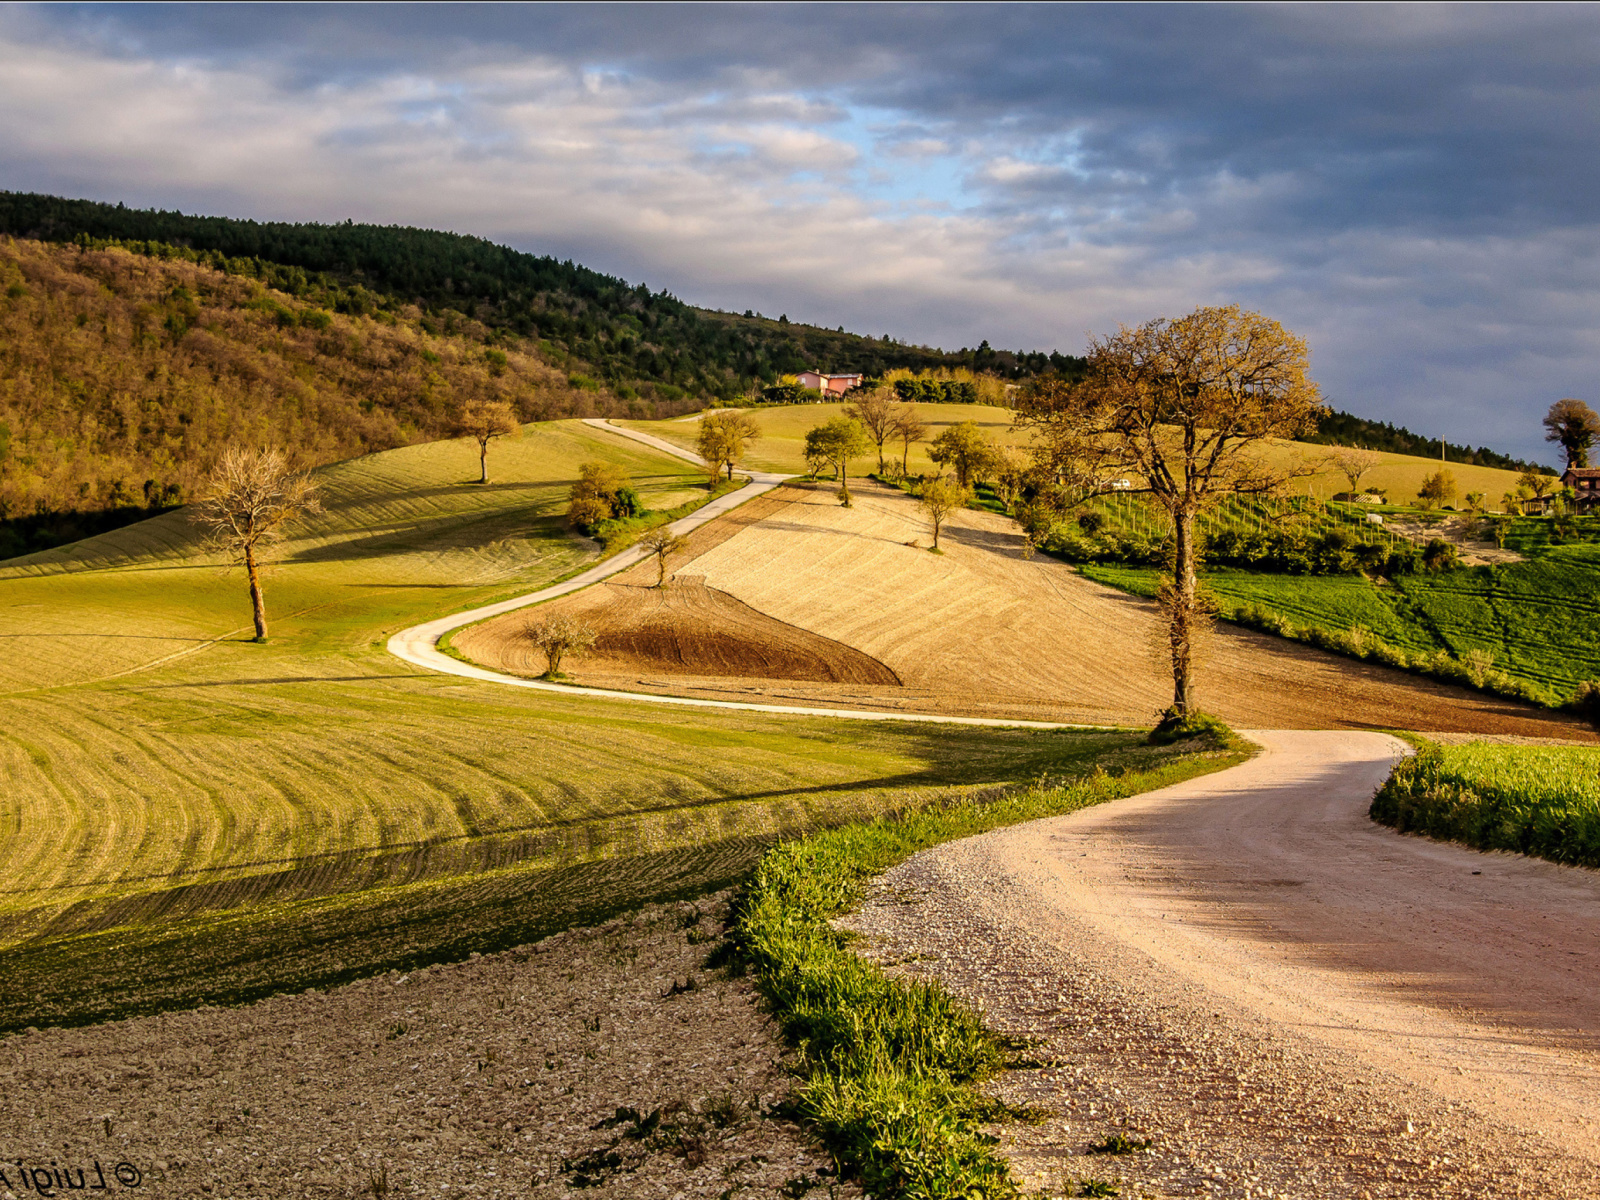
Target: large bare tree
[
  {"x": 250, "y": 497},
  {"x": 482, "y": 420},
  {"x": 1180, "y": 403},
  {"x": 876, "y": 410}
]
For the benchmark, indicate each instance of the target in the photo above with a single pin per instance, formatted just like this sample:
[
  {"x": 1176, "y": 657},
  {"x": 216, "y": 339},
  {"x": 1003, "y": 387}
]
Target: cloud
[{"x": 1410, "y": 187}]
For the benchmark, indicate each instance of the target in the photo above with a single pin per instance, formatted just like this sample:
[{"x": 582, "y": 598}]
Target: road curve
[
  {"x": 419, "y": 645},
  {"x": 1265, "y": 890}
]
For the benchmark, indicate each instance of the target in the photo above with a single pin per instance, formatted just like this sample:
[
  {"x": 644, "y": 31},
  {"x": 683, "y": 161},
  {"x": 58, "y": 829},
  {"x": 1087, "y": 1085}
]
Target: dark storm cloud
[{"x": 1414, "y": 187}]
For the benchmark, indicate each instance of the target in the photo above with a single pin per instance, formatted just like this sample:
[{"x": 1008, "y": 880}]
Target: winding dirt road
[{"x": 1277, "y": 988}]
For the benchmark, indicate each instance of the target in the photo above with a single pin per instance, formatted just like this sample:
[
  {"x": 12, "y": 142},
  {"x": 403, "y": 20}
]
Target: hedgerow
[{"x": 1539, "y": 800}]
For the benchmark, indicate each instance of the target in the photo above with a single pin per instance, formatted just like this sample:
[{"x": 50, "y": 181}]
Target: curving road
[
  {"x": 1467, "y": 981},
  {"x": 419, "y": 645}
]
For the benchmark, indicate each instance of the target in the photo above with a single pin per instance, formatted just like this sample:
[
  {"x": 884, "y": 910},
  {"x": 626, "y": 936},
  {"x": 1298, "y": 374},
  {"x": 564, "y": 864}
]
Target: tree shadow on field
[
  {"x": 993, "y": 540},
  {"x": 423, "y": 533}
]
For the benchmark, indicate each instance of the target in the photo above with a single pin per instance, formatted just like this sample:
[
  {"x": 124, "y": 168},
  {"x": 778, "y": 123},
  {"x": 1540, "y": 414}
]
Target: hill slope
[
  {"x": 632, "y": 338},
  {"x": 122, "y": 377}
]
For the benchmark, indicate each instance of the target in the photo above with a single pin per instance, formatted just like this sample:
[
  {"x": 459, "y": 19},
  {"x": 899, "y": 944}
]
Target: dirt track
[
  {"x": 980, "y": 630},
  {"x": 1248, "y": 969}
]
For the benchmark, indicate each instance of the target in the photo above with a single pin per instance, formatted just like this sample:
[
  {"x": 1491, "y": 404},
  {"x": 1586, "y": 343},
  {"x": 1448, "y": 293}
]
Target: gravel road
[{"x": 1287, "y": 998}]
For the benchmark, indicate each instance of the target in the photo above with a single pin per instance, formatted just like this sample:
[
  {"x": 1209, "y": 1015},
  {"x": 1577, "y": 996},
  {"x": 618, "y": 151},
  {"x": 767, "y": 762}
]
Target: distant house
[
  {"x": 836, "y": 384},
  {"x": 1585, "y": 485}
]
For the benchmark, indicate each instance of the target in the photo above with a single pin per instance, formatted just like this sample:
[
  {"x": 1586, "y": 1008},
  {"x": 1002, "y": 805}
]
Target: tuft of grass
[
  {"x": 1178, "y": 727},
  {"x": 890, "y": 1068},
  {"x": 1538, "y": 800},
  {"x": 1118, "y": 1143}
]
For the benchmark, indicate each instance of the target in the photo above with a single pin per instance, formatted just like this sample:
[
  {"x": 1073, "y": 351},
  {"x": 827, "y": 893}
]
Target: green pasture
[
  {"x": 1540, "y": 800},
  {"x": 1540, "y": 619},
  {"x": 781, "y": 446},
  {"x": 190, "y": 816}
]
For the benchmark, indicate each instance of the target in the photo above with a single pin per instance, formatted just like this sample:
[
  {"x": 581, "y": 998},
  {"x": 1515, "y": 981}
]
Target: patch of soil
[{"x": 603, "y": 1061}]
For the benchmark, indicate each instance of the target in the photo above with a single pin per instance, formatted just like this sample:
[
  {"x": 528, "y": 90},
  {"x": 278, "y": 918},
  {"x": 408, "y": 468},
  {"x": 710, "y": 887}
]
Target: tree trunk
[
  {"x": 257, "y": 601},
  {"x": 905, "y": 458},
  {"x": 936, "y": 533},
  {"x": 661, "y": 570},
  {"x": 844, "y": 483},
  {"x": 1182, "y": 614},
  {"x": 483, "y": 461}
]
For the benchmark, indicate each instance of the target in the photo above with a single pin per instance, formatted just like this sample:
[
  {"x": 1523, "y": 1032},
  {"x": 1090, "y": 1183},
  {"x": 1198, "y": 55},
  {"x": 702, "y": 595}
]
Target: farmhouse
[
  {"x": 1585, "y": 485},
  {"x": 837, "y": 384}
]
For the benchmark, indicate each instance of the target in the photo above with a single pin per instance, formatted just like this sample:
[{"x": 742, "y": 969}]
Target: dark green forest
[
  {"x": 1342, "y": 429},
  {"x": 635, "y": 340}
]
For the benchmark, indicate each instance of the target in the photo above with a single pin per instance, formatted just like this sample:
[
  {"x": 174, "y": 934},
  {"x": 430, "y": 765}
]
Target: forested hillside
[
  {"x": 122, "y": 377},
  {"x": 636, "y": 341},
  {"x": 1342, "y": 429}
]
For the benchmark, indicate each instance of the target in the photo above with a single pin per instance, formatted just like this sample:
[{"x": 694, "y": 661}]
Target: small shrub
[
  {"x": 1117, "y": 1143},
  {"x": 1439, "y": 555},
  {"x": 1174, "y": 727}
]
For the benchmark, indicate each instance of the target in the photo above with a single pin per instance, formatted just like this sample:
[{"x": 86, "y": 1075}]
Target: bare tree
[
  {"x": 1354, "y": 463},
  {"x": 939, "y": 498},
  {"x": 251, "y": 496},
  {"x": 1575, "y": 427},
  {"x": 482, "y": 420},
  {"x": 876, "y": 411},
  {"x": 908, "y": 427},
  {"x": 1180, "y": 403},
  {"x": 663, "y": 544},
  {"x": 559, "y": 637}
]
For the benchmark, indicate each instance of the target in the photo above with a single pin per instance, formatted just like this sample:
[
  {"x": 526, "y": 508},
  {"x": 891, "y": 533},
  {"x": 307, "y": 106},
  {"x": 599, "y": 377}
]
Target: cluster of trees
[
  {"x": 632, "y": 339},
  {"x": 603, "y": 492},
  {"x": 123, "y": 378}
]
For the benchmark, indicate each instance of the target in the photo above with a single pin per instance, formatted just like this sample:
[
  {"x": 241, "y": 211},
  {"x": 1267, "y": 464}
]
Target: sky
[{"x": 1413, "y": 189}]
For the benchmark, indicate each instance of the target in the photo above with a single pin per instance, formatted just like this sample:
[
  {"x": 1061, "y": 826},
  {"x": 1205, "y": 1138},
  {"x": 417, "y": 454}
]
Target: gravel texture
[
  {"x": 501, "y": 1076},
  {"x": 1155, "y": 957}
]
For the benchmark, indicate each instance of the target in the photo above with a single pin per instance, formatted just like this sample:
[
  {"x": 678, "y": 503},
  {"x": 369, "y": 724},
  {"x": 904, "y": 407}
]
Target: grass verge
[
  {"x": 890, "y": 1068},
  {"x": 1538, "y": 800}
]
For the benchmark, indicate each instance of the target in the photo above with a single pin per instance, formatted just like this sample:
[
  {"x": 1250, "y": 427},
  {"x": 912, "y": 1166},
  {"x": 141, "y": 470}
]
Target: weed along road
[{"x": 1432, "y": 1002}]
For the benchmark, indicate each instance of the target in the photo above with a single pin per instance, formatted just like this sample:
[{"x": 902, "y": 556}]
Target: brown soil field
[
  {"x": 828, "y": 596},
  {"x": 499, "y": 1076}
]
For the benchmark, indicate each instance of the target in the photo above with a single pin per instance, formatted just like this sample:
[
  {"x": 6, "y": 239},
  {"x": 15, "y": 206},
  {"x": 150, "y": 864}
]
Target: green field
[
  {"x": 1540, "y": 620},
  {"x": 1540, "y": 800},
  {"x": 188, "y": 815}
]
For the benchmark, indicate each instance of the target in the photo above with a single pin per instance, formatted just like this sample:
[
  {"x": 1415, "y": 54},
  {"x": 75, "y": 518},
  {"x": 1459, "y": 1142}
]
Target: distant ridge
[{"x": 635, "y": 340}]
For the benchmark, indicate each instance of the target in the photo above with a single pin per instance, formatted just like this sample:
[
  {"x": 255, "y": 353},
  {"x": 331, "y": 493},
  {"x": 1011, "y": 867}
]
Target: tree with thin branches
[
  {"x": 907, "y": 425},
  {"x": 1181, "y": 404},
  {"x": 940, "y": 497},
  {"x": 662, "y": 544},
  {"x": 559, "y": 637},
  {"x": 966, "y": 451},
  {"x": 251, "y": 498},
  {"x": 876, "y": 410},
  {"x": 1354, "y": 463},
  {"x": 482, "y": 420}
]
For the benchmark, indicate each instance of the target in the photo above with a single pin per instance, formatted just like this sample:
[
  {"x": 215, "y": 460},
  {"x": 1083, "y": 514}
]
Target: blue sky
[{"x": 1411, "y": 188}]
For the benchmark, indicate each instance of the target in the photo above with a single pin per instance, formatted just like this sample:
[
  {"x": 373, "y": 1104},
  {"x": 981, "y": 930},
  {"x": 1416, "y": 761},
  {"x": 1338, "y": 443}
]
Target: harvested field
[{"x": 983, "y": 630}]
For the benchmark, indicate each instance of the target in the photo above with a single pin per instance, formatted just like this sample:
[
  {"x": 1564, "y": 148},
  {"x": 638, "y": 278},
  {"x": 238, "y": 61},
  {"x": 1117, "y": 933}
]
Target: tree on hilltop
[
  {"x": 1575, "y": 427},
  {"x": 251, "y": 497},
  {"x": 482, "y": 420},
  {"x": 837, "y": 442},
  {"x": 1180, "y": 403}
]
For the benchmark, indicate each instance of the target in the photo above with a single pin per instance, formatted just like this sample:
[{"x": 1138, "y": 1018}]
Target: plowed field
[{"x": 980, "y": 629}]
